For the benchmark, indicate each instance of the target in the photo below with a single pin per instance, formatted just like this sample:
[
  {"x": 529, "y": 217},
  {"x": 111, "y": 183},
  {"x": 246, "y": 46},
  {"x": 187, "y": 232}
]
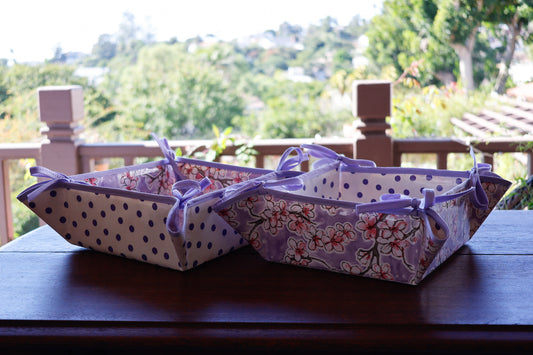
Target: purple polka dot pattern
[
  {"x": 322, "y": 183},
  {"x": 128, "y": 240},
  {"x": 365, "y": 187},
  {"x": 136, "y": 232},
  {"x": 124, "y": 225}
]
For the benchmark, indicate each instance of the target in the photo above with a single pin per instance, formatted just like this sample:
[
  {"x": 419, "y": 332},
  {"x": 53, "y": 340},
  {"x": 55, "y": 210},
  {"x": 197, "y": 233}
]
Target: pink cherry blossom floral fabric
[
  {"x": 323, "y": 234},
  {"x": 156, "y": 179}
]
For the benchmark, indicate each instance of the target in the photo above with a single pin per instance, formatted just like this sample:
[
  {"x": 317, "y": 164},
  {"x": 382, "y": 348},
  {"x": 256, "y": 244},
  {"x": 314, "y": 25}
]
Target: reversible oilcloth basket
[
  {"x": 158, "y": 212},
  {"x": 349, "y": 216}
]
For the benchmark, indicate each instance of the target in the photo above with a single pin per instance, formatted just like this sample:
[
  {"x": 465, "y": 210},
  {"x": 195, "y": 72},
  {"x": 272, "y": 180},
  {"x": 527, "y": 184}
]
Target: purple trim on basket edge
[
  {"x": 122, "y": 169},
  {"x": 83, "y": 186},
  {"x": 55, "y": 178}
]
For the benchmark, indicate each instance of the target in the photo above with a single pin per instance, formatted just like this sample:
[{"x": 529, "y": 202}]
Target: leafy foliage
[
  {"x": 170, "y": 92},
  {"x": 455, "y": 39},
  {"x": 426, "y": 112},
  {"x": 403, "y": 34},
  {"x": 243, "y": 153}
]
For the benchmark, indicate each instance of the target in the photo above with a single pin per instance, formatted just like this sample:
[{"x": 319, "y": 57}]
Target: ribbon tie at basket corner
[
  {"x": 54, "y": 178},
  {"x": 190, "y": 190},
  {"x": 401, "y": 204},
  {"x": 327, "y": 155},
  {"x": 288, "y": 163},
  {"x": 479, "y": 197},
  {"x": 167, "y": 151}
]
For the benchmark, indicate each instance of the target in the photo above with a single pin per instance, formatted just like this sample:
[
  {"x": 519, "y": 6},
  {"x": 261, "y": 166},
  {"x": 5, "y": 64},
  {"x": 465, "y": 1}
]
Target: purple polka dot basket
[
  {"x": 159, "y": 212},
  {"x": 349, "y": 216}
]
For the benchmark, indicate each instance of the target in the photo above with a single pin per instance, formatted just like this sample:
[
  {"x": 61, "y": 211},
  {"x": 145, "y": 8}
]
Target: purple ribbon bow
[
  {"x": 54, "y": 176},
  {"x": 191, "y": 189},
  {"x": 286, "y": 163},
  {"x": 321, "y": 152},
  {"x": 479, "y": 197},
  {"x": 168, "y": 153}
]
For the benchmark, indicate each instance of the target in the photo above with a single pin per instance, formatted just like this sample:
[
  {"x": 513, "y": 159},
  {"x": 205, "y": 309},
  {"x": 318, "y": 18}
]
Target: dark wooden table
[{"x": 55, "y": 296}]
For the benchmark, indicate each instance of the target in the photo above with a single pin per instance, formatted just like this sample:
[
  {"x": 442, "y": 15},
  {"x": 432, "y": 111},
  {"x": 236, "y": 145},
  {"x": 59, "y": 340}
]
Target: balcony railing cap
[
  {"x": 372, "y": 99},
  {"x": 61, "y": 104}
]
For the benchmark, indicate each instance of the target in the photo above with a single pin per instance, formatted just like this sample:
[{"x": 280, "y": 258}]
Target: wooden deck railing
[
  {"x": 10, "y": 152},
  {"x": 61, "y": 108},
  {"x": 129, "y": 151},
  {"x": 442, "y": 147}
]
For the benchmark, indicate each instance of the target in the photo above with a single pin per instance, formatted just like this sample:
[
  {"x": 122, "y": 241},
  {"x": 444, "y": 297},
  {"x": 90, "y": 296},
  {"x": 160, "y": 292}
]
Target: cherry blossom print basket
[
  {"x": 349, "y": 216},
  {"x": 158, "y": 212}
]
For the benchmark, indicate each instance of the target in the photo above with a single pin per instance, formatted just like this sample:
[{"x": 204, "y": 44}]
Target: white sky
[{"x": 32, "y": 29}]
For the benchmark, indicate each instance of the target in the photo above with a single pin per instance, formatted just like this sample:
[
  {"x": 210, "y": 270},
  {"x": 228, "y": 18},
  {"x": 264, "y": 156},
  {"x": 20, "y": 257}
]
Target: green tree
[
  {"x": 274, "y": 59},
  {"x": 99, "y": 114},
  {"x": 323, "y": 41},
  {"x": 4, "y": 88},
  {"x": 19, "y": 120},
  {"x": 450, "y": 36},
  {"x": 461, "y": 23},
  {"x": 356, "y": 28},
  {"x": 342, "y": 81},
  {"x": 515, "y": 15},
  {"x": 458, "y": 22},
  {"x": 129, "y": 37},
  {"x": 104, "y": 50},
  {"x": 403, "y": 34},
  {"x": 59, "y": 56},
  {"x": 128, "y": 33},
  {"x": 227, "y": 58},
  {"x": 173, "y": 93},
  {"x": 22, "y": 77},
  {"x": 288, "y": 30},
  {"x": 342, "y": 60},
  {"x": 292, "y": 109},
  {"x": 287, "y": 118}
]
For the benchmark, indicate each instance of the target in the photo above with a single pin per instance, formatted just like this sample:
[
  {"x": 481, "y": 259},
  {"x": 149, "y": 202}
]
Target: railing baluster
[
  {"x": 260, "y": 161},
  {"x": 6, "y": 216},
  {"x": 86, "y": 165},
  {"x": 530, "y": 164},
  {"x": 8, "y": 152},
  {"x": 488, "y": 158},
  {"x": 442, "y": 160},
  {"x": 396, "y": 157}
]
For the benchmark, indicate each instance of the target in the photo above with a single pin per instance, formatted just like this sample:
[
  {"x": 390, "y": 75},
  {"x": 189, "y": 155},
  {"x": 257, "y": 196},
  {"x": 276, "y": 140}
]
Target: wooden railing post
[
  {"x": 61, "y": 108},
  {"x": 372, "y": 101}
]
